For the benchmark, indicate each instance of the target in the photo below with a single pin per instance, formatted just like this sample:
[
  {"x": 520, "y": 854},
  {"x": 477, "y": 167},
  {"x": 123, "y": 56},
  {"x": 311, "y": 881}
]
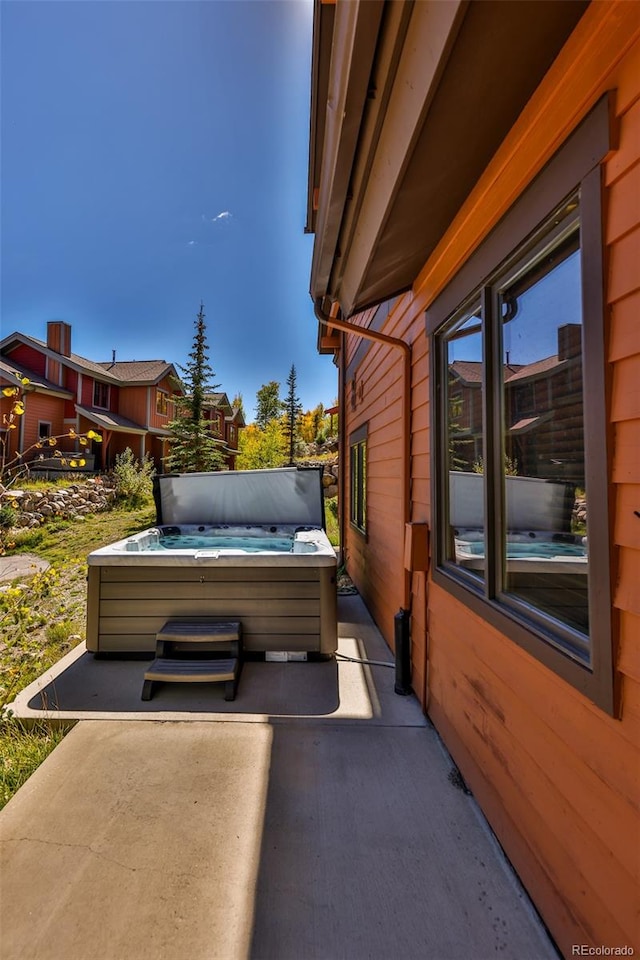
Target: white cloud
[
  {"x": 192, "y": 243},
  {"x": 225, "y": 215}
]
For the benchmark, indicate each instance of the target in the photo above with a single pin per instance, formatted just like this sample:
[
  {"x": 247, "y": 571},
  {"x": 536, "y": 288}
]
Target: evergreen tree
[
  {"x": 193, "y": 447},
  {"x": 268, "y": 403},
  {"x": 292, "y": 411}
]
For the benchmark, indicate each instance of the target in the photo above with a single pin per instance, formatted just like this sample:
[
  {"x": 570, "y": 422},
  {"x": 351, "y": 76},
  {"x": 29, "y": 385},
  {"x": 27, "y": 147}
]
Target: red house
[
  {"x": 129, "y": 403},
  {"x": 226, "y": 423}
]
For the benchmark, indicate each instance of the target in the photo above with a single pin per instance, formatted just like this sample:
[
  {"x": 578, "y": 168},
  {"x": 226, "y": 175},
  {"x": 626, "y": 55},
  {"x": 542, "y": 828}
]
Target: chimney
[
  {"x": 113, "y": 357},
  {"x": 569, "y": 341},
  {"x": 59, "y": 337}
]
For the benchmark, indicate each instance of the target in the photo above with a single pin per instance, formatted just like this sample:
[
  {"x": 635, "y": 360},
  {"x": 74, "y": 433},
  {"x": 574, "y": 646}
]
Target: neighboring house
[
  {"x": 226, "y": 423},
  {"x": 473, "y": 190},
  {"x": 129, "y": 403}
]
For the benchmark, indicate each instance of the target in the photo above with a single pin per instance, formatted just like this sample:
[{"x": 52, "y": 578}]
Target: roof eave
[{"x": 410, "y": 160}]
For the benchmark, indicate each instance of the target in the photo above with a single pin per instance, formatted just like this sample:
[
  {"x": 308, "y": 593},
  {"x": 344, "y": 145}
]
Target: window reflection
[
  {"x": 537, "y": 548},
  {"x": 465, "y": 432},
  {"x": 544, "y": 550}
]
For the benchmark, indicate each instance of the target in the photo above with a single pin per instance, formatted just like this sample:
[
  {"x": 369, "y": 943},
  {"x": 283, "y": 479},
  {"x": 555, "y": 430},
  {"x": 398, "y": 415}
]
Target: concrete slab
[
  {"x": 319, "y": 819},
  {"x": 229, "y": 841},
  {"x": 80, "y": 687}
]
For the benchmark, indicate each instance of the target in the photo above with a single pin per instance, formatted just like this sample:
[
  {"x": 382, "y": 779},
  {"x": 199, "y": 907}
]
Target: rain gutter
[{"x": 344, "y": 325}]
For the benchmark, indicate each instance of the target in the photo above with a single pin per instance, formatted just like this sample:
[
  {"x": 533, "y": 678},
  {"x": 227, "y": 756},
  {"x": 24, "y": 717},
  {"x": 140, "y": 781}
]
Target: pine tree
[
  {"x": 292, "y": 411},
  {"x": 193, "y": 447}
]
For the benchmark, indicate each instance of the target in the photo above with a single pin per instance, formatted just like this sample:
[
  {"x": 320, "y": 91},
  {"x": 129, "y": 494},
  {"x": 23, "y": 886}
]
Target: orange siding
[
  {"x": 40, "y": 407},
  {"x": 558, "y": 779},
  {"x": 160, "y": 420},
  {"x": 133, "y": 403}
]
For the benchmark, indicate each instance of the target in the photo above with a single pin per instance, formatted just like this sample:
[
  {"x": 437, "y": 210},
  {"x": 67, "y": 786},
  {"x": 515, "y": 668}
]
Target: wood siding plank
[
  {"x": 624, "y": 329},
  {"x": 150, "y": 624},
  {"x": 629, "y": 645},
  {"x": 229, "y": 590},
  {"x": 626, "y": 459},
  {"x": 212, "y": 606},
  {"x": 623, "y": 214},
  {"x": 627, "y": 523},
  {"x": 625, "y": 400},
  {"x": 624, "y": 257}
]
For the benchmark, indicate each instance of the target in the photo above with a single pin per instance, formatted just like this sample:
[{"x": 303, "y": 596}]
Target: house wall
[
  {"x": 86, "y": 399},
  {"x": 133, "y": 403},
  {"x": 556, "y": 777},
  {"x": 29, "y": 357},
  {"x": 42, "y": 407}
]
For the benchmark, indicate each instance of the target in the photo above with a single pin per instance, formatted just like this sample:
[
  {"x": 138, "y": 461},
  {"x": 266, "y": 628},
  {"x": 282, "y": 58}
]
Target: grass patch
[
  {"x": 331, "y": 521},
  {"x": 43, "y": 617},
  {"x": 22, "y": 752}
]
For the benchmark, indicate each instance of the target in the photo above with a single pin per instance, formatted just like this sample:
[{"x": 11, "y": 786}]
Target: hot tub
[
  {"x": 533, "y": 551},
  {"x": 240, "y": 545}
]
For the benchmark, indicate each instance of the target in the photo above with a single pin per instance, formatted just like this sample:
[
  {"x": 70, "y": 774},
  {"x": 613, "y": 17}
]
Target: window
[
  {"x": 162, "y": 402},
  {"x": 358, "y": 475},
  {"x": 101, "y": 395},
  {"x": 520, "y": 489},
  {"x": 44, "y": 430}
]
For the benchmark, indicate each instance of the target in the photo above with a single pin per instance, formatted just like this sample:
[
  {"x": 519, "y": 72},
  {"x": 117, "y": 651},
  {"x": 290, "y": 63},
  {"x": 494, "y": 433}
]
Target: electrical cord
[{"x": 372, "y": 663}]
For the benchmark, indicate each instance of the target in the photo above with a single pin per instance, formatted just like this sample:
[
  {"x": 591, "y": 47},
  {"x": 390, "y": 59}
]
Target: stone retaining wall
[
  {"x": 329, "y": 476},
  {"x": 35, "y": 507}
]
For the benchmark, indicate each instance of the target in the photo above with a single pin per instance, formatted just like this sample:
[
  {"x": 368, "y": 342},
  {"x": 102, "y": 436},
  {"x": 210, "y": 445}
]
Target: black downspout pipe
[{"x": 402, "y": 637}]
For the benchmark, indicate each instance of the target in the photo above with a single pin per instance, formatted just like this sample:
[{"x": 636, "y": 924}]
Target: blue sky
[{"x": 154, "y": 154}]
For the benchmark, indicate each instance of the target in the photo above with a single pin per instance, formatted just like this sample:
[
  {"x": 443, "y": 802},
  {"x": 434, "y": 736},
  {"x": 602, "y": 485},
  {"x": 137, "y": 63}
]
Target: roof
[
  {"x": 470, "y": 371},
  {"x": 218, "y": 401},
  {"x": 110, "y": 421},
  {"x": 74, "y": 360},
  {"x": 529, "y": 423},
  {"x": 538, "y": 368},
  {"x": 396, "y": 88},
  {"x": 237, "y": 417},
  {"x": 121, "y": 372},
  {"x": 139, "y": 371},
  {"x": 8, "y": 371}
]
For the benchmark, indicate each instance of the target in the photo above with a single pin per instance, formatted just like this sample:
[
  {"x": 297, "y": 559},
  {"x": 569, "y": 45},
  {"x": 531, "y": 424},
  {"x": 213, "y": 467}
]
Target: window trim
[
  {"x": 356, "y": 439},
  {"x": 576, "y": 165}
]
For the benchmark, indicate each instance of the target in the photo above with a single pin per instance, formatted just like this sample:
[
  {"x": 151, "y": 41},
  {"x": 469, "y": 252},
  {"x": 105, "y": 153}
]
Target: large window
[
  {"x": 358, "y": 477},
  {"x": 519, "y": 420},
  {"x": 162, "y": 402}
]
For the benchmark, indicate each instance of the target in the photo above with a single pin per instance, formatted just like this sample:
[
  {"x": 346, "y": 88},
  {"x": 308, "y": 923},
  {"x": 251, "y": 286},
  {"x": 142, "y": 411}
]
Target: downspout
[
  {"x": 375, "y": 335},
  {"x": 342, "y": 447}
]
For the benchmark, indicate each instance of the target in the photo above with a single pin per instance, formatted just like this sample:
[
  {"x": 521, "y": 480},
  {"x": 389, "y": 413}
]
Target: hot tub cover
[{"x": 290, "y": 495}]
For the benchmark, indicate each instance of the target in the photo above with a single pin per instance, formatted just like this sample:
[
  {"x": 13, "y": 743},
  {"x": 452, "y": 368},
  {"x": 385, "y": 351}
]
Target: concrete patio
[{"x": 316, "y": 817}]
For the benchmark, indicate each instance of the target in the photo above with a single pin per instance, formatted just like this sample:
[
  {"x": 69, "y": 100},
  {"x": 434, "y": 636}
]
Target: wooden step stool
[{"x": 221, "y": 662}]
